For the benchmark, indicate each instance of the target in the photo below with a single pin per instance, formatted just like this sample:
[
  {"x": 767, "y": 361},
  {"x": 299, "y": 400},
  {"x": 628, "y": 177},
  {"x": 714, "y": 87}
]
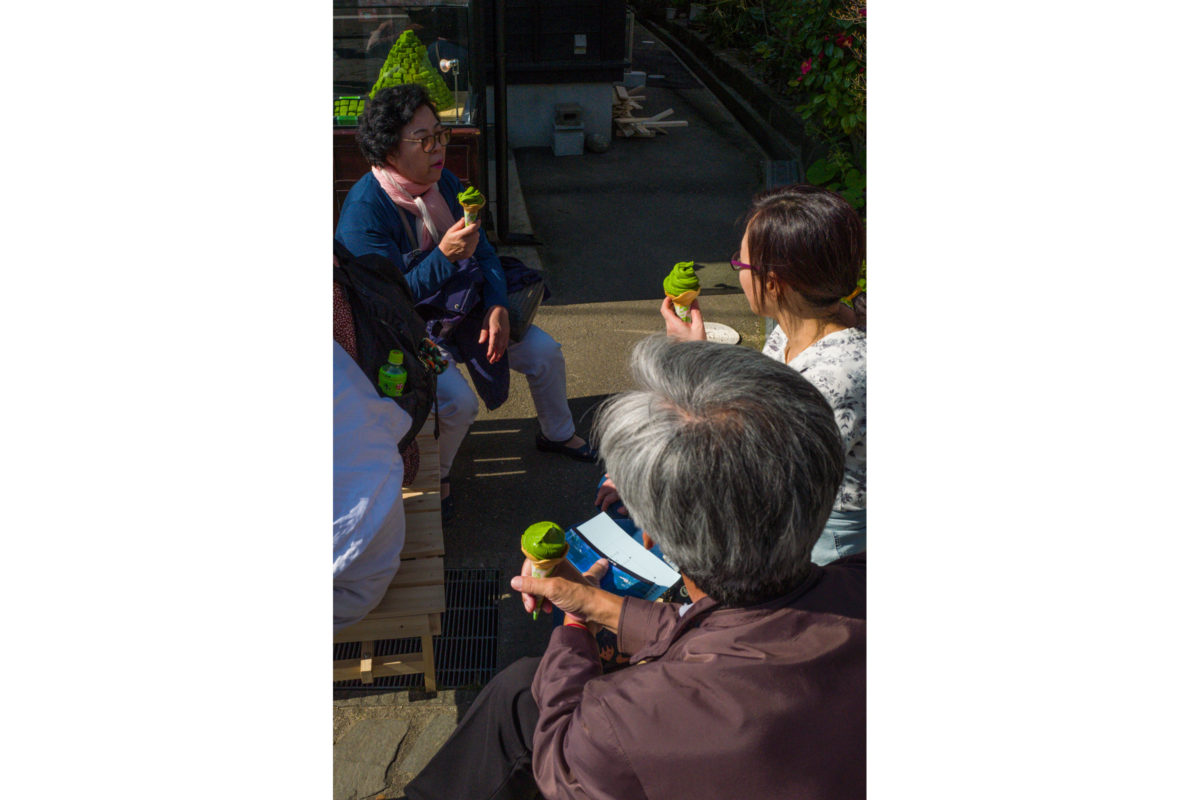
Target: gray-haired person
[{"x": 731, "y": 462}]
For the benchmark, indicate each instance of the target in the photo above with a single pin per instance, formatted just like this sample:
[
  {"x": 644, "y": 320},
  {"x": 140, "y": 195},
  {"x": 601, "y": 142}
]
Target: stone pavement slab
[
  {"x": 427, "y": 744},
  {"x": 362, "y": 757}
]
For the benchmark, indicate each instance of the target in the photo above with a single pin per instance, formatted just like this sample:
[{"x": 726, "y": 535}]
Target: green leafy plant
[
  {"x": 813, "y": 53},
  {"x": 830, "y": 81},
  {"x": 838, "y": 173}
]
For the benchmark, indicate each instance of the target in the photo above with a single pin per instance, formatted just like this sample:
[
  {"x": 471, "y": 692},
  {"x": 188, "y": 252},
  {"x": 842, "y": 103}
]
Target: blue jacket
[
  {"x": 371, "y": 223},
  {"x": 446, "y": 295}
]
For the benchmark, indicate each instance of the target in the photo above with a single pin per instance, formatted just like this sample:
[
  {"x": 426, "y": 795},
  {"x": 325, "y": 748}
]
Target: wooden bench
[{"x": 416, "y": 597}]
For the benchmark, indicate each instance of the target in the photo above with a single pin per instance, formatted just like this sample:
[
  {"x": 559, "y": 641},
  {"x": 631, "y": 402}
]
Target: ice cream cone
[
  {"x": 683, "y": 303},
  {"x": 542, "y": 568},
  {"x": 545, "y": 545},
  {"x": 683, "y": 287},
  {"x": 472, "y": 202},
  {"x": 471, "y": 213}
]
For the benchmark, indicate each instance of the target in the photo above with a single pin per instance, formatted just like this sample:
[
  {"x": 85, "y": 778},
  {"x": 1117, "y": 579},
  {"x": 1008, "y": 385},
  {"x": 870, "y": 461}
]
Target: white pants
[{"x": 539, "y": 358}]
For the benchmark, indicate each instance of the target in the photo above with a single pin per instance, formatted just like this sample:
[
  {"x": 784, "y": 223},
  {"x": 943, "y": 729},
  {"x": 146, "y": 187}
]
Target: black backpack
[{"x": 385, "y": 320}]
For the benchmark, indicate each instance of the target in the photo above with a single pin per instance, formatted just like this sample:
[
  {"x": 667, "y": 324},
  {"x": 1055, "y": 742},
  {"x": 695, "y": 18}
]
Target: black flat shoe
[{"x": 583, "y": 453}]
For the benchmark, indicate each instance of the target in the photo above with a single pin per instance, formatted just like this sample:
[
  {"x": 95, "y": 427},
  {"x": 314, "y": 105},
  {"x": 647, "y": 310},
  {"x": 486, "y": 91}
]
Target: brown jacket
[{"x": 762, "y": 702}]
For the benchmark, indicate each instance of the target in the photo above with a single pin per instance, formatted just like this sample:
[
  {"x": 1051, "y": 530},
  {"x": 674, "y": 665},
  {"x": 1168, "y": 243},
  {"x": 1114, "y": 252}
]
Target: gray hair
[{"x": 729, "y": 460}]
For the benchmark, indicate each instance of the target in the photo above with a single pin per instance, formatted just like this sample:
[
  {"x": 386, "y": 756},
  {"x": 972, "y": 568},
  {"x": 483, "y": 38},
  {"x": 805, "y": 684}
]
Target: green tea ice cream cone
[
  {"x": 545, "y": 545},
  {"x": 683, "y": 287},
  {"x": 472, "y": 202}
]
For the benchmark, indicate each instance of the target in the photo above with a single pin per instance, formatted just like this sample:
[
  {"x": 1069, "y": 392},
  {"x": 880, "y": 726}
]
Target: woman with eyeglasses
[
  {"x": 801, "y": 253},
  {"x": 406, "y": 209}
]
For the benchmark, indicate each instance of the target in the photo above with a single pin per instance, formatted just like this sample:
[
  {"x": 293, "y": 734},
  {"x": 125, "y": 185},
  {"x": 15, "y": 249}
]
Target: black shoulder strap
[{"x": 413, "y": 242}]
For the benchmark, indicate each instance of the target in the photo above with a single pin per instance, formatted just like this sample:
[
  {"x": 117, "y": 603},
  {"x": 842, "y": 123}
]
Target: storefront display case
[{"x": 379, "y": 43}]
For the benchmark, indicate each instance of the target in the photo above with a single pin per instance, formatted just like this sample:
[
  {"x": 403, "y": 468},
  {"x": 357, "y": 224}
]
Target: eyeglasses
[
  {"x": 442, "y": 137},
  {"x": 739, "y": 265}
]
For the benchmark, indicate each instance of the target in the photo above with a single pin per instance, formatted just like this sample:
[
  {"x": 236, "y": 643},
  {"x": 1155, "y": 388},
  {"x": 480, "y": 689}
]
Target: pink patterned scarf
[{"x": 415, "y": 198}]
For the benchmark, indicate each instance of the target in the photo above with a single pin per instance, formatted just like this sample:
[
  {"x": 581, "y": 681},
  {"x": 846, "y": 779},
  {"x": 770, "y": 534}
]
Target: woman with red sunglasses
[{"x": 801, "y": 255}]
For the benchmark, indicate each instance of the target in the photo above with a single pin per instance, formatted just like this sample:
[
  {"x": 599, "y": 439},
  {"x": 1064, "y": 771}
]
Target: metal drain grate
[{"x": 464, "y": 656}]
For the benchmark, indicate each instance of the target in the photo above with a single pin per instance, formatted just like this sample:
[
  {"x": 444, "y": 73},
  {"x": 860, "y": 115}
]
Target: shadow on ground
[{"x": 502, "y": 484}]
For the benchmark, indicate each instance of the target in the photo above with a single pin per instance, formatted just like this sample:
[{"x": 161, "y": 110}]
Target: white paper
[{"x": 620, "y": 548}]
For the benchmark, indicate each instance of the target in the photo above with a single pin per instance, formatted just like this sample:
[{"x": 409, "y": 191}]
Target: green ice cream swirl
[
  {"x": 471, "y": 197},
  {"x": 681, "y": 279},
  {"x": 544, "y": 540}
]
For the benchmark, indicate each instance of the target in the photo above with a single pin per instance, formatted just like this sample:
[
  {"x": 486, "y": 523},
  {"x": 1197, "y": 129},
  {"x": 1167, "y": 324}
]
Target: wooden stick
[{"x": 666, "y": 123}]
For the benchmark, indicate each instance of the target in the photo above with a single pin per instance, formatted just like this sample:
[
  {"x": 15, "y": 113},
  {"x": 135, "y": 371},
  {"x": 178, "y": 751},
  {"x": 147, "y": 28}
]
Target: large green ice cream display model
[
  {"x": 408, "y": 62},
  {"x": 347, "y": 110}
]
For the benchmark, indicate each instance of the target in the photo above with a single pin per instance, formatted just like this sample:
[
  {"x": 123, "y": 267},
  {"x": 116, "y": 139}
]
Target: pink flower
[
  {"x": 862, "y": 12},
  {"x": 806, "y": 66}
]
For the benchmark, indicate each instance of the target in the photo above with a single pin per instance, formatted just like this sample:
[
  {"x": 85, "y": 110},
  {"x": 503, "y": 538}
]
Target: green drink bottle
[{"x": 393, "y": 375}]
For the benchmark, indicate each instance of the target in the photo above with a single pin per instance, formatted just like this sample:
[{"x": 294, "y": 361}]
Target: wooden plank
[
  {"x": 428, "y": 476},
  {"x": 426, "y": 442},
  {"x": 416, "y": 502},
  {"x": 348, "y": 669},
  {"x": 419, "y": 572},
  {"x": 416, "y": 595},
  {"x": 661, "y": 115},
  {"x": 429, "y": 470},
  {"x": 371, "y": 629},
  {"x": 427, "y": 663},
  {"x": 622, "y": 92},
  {"x": 411, "y": 601},
  {"x": 403, "y": 664},
  {"x": 364, "y": 663},
  {"x": 423, "y": 536}
]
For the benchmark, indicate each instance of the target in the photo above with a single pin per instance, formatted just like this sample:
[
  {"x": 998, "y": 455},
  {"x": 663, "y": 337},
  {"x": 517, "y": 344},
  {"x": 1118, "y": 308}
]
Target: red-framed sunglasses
[{"x": 737, "y": 265}]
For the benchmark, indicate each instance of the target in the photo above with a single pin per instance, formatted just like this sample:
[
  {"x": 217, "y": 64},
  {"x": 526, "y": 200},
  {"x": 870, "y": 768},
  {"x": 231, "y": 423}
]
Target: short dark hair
[
  {"x": 810, "y": 238},
  {"x": 384, "y": 118},
  {"x": 728, "y": 459}
]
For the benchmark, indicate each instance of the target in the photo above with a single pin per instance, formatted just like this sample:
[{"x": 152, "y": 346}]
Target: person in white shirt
[{"x": 368, "y": 508}]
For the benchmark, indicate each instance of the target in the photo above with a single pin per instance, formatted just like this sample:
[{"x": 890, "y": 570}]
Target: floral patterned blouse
[{"x": 837, "y": 365}]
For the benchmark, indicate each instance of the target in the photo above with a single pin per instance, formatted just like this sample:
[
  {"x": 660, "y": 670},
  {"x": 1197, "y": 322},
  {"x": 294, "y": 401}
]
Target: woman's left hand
[{"x": 495, "y": 332}]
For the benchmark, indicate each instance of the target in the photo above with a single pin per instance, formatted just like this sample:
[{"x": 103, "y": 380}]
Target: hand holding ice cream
[
  {"x": 682, "y": 287},
  {"x": 577, "y": 595},
  {"x": 472, "y": 202},
  {"x": 545, "y": 545},
  {"x": 692, "y": 330}
]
